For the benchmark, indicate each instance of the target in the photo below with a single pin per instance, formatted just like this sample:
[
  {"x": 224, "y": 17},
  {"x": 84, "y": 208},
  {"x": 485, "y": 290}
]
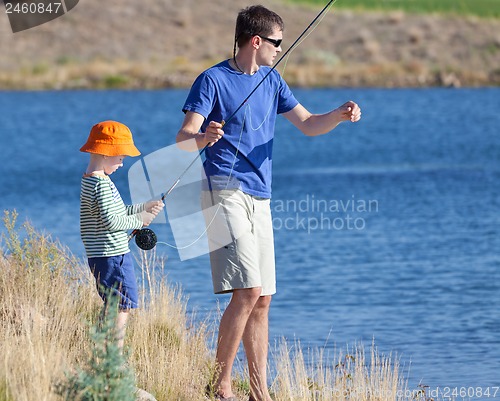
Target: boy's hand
[
  {"x": 154, "y": 207},
  {"x": 147, "y": 218}
]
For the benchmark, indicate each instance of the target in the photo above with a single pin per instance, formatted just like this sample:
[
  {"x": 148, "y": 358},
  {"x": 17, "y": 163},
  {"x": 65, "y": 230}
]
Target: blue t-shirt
[{"x": 243, "y": 157}]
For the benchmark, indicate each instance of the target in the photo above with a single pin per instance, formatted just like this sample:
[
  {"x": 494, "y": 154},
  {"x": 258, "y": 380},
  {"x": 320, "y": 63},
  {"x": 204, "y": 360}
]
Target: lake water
[{"x": 385, "y": 230}]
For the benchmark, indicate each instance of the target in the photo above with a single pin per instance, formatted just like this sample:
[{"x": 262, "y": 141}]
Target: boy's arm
[
  {"x": 135, "y": 209},
  {"x": 109, "y": 217},
  {"x": 153, "y": 206}
]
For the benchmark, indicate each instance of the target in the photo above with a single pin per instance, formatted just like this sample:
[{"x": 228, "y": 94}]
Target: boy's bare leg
[{"x": 121, "y": 325}]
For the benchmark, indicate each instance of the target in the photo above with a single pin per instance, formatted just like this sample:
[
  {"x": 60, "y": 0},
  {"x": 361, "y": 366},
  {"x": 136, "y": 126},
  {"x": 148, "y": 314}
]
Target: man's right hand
[{"x": 213, "y": 132}]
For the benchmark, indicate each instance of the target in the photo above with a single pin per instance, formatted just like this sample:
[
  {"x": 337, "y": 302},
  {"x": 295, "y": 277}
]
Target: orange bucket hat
[{"x": 110, "y": 138}]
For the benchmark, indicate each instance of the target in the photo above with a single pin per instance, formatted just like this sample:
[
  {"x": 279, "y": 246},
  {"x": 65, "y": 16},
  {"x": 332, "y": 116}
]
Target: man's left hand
[{"x": 349, "y": 111}]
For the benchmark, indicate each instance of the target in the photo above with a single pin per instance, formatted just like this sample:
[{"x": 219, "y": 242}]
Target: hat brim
[{"x": 110, "y": 150}]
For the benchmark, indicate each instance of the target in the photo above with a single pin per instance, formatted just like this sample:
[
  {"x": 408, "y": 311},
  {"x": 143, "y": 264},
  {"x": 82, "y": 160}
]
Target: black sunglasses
[{"x": 275, "y": 42}]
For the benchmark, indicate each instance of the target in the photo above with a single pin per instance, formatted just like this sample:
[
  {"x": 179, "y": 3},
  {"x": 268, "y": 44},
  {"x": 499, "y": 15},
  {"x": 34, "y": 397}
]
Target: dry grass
[
  {"x": 99, "y": 74},
  {"x": 353, "y": 376},
  {"x": 48, "y": 300},
  {"x": 128, "y": 75},
  {"x": 169, "y": 352},
  {"x": 45, "y": 300}
]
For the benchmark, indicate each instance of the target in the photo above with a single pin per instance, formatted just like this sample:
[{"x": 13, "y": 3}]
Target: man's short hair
[{"x": 256, "y": 20}]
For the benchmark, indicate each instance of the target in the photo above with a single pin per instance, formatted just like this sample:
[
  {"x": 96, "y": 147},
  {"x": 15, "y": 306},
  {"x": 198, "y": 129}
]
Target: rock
[
  {"x": 449, "y": 80},
  {"x": 143, "y": 395},
  {"x": 396, "y": 17}
]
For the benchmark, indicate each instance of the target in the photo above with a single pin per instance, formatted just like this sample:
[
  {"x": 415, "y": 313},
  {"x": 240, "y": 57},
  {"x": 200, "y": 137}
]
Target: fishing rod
[{"x": 145, "y": 238}]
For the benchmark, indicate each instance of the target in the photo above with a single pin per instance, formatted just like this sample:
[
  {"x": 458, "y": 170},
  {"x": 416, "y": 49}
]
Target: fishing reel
[{"x": 145, "y": 239}]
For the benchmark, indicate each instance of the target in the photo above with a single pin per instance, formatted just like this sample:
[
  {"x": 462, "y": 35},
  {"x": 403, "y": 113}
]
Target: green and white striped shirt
[{"x": 104, "y": 218}]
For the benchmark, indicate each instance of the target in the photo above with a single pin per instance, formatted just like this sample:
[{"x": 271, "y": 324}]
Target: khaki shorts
[{"x": 241, "y": 242}]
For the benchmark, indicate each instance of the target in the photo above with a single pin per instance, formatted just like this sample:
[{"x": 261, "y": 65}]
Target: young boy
[{"x": 105, "y": 219}]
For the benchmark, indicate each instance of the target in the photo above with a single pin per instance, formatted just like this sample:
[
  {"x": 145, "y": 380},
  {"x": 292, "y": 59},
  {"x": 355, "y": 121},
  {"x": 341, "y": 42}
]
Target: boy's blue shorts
[{"x": 116, "y": 274}]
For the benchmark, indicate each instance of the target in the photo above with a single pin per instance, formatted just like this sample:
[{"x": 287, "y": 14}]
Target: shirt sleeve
[
  {"x": 201, "y": 98},
  {"x": 134, "y": 209},
  {"x": 114, "y": 217},
  {"x": 286, "y": 100}
]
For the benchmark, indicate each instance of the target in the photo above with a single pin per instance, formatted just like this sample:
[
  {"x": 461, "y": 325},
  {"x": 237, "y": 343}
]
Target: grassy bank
[
  {"x": 481, "y": 8},
  {"x": 48, "y": 301}
]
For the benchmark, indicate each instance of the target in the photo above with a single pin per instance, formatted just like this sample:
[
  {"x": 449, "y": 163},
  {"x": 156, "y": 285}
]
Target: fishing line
[
  {"x": 146, "y": 238},
  {"x": 219, "y": 205},
  {"x": 296, "y": 44}
]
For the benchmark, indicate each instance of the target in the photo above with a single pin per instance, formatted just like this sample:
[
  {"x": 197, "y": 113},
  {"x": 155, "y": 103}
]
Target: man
[{"x": 238, "y": 168}]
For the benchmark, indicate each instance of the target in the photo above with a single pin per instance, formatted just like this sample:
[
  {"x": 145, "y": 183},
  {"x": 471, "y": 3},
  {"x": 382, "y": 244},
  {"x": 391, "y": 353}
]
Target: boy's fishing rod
[{"x": 145, "y": 238}]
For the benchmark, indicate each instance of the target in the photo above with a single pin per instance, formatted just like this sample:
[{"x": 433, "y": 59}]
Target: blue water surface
[{"x": 387, "y": 230}]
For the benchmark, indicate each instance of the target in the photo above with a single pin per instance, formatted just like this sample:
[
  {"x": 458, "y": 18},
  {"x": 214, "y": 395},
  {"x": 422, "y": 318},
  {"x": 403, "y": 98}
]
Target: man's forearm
[
  {"x": 319, "y": 124},
  {"x": 190, "y": 141}
]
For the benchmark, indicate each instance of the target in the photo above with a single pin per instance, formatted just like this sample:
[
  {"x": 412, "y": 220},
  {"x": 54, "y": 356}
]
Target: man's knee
[
  {"x": 247, "y": 296},
  {"x": 262, "y": 306},
  {"x": 264, "y": 302}
]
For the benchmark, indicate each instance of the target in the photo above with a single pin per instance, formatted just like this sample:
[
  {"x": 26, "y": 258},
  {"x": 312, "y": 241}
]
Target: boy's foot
[{"x": 221, "y": 398}]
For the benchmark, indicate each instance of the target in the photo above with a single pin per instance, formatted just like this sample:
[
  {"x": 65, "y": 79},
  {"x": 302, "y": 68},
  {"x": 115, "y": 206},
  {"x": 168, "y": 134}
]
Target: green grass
[{"x": 481, "y": 8}]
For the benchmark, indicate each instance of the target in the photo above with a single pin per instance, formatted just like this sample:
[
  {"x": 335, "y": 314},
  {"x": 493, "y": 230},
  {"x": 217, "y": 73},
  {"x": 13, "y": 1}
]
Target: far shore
[
  {"x": 129, "y": 75},
  {"x": 133, "y": 77},
  {"x": 167, "y": 47}
]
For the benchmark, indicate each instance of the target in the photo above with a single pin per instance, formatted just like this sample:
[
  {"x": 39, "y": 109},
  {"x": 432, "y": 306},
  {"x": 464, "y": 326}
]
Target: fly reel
[{"x": 145, "y": 239}]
